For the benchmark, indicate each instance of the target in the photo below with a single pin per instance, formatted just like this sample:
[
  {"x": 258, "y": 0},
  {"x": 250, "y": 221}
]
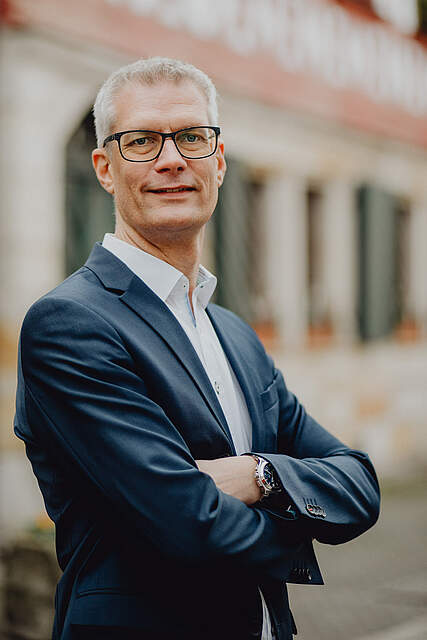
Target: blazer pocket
[{"x": 117, "y": 609}]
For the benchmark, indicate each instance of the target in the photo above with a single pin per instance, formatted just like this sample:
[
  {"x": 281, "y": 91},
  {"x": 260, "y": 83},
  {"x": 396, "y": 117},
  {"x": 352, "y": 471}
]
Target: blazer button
[{"x": 315, "y": 510}]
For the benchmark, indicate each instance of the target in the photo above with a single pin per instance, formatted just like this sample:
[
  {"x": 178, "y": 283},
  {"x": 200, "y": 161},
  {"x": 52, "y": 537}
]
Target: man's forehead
[{"x": 160, "y": 100}]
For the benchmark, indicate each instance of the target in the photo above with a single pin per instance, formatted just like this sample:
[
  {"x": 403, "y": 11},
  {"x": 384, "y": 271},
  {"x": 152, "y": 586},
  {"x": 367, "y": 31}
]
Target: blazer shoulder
[
  {"x": 72, "y": 286},
  {"x": 79, "y": 294}
]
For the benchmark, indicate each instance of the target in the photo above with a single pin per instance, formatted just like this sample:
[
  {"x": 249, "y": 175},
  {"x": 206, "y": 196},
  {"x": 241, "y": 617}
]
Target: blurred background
[{"x": 319, "y": 241}]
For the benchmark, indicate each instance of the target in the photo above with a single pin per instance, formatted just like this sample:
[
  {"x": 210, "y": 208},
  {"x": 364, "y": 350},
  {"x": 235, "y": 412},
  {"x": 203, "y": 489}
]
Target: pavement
[{"x": 375, "y": 586}]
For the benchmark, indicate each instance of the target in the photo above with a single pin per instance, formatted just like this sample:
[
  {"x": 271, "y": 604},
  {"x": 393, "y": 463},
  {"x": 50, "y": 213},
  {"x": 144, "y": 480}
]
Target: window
[
  {"x": 239, "y": 244},
  {"x": 383, "y": 222},
  {"x": 89, "y": 209},
  {"x": 319, "y": 322}
]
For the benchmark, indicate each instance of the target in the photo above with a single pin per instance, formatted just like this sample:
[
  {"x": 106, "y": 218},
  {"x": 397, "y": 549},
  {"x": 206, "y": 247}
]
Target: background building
[{"x": 319, "y": 238}]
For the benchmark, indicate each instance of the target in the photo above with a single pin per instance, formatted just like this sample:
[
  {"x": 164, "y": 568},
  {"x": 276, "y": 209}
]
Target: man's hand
[{"x": 234, "y": 476}]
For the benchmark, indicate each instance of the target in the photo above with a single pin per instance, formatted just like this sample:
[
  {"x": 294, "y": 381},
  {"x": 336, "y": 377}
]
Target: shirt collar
[
  {"x": 206, "y": 285},
  {"x": 157, "y": 274}
]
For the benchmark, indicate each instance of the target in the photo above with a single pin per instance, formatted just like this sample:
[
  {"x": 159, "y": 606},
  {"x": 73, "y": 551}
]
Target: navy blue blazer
[{"x": 114, "y": 407}]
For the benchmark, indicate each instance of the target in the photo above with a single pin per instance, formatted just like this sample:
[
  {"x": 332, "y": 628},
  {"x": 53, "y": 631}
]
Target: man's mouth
[{"x": 171, "y": 190}]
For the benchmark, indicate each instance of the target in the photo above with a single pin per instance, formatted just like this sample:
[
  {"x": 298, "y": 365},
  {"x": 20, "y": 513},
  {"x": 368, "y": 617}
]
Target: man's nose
[{"x": 170, "y": 159}]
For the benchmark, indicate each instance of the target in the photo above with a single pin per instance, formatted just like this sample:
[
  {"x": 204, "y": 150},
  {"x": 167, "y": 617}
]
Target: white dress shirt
[{"x": 172, "y": 287}]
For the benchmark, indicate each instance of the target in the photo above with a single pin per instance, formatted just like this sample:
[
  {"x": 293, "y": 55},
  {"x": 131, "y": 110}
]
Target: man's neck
[{"x": 184, "y": 255}]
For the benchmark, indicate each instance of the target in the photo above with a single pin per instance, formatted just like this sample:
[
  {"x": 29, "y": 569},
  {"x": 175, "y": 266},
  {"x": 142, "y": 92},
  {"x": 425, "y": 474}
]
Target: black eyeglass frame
[{"x": 165, "y": 136}]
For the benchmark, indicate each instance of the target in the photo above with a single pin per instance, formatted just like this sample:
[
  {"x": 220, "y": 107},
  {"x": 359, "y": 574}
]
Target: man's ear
[
  {"x": 222, "y": 165},
  {"x": 102, "y": 165}
]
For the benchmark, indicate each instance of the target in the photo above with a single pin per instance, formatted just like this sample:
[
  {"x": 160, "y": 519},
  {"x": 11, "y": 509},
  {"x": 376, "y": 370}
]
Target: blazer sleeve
[
  {"x": 79, "y": 393},
  {"x": 333, "y": 489}
]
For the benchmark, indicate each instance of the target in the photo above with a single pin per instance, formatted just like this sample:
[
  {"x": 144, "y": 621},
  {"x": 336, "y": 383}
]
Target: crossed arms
[{"x": 79, "y": 393}]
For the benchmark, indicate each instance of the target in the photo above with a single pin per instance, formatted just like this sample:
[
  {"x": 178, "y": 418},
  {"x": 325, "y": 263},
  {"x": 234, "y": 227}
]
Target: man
[{"x": 136, "y": 398}]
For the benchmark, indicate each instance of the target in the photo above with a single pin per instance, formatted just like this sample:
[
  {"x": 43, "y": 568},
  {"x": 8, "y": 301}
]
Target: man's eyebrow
[{"x": 146, "y": 127}]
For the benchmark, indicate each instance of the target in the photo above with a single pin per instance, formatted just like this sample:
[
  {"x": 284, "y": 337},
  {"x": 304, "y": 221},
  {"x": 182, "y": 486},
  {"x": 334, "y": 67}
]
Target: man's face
[{"x": 140, "y": 207}]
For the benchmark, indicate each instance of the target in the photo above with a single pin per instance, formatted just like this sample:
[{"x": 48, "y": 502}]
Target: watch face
[{"x": 268, "y": 475}]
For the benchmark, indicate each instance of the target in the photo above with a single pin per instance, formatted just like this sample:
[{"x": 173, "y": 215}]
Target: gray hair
[{"x": 148, "y": 71}]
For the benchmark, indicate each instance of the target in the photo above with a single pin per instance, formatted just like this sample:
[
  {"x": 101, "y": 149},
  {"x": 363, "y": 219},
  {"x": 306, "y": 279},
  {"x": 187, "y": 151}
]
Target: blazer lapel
[
  {"x": 233, "y": 351},
  {"x": 115, "y": 275}
]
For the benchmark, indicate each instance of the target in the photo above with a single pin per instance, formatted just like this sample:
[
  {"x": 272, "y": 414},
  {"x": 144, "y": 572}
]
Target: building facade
[{"x": 319, "y": 237}]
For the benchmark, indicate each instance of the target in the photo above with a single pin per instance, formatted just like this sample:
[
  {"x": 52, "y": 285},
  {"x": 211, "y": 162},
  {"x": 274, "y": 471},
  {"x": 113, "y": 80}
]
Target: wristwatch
[{"x": 265, "y": 477}]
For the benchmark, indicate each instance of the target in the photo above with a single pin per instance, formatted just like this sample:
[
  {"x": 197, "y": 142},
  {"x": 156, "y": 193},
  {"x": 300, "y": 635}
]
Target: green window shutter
[
  {"x": 378, "y": 295},
  {"x": 232, "y": 224}
]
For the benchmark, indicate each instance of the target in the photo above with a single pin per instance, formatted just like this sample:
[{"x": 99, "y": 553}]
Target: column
[
  {"x": 339, "y": 255},
  {"x": 286, "y": 256}
]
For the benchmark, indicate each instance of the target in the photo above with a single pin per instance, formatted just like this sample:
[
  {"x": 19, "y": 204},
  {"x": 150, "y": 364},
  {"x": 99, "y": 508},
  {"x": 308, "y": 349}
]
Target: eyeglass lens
[{"x": 195, "y": 142}]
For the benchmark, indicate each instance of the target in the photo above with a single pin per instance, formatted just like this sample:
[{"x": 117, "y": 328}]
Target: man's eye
[
  {"x": 190, "y": 137},
  {"x": 140, "y": 141}
]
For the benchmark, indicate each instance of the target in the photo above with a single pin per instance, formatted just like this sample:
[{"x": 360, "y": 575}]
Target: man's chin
[
  {"x": 165, "y": 228},
  {"x": 177, "y": 218}
]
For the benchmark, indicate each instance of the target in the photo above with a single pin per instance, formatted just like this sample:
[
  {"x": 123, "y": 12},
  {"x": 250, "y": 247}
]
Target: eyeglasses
[{"x": 142, "y": 146}]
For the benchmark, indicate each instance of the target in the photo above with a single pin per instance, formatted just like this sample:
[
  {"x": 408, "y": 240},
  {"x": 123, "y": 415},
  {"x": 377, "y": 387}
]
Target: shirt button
[{"x": 217, "y": 387}]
